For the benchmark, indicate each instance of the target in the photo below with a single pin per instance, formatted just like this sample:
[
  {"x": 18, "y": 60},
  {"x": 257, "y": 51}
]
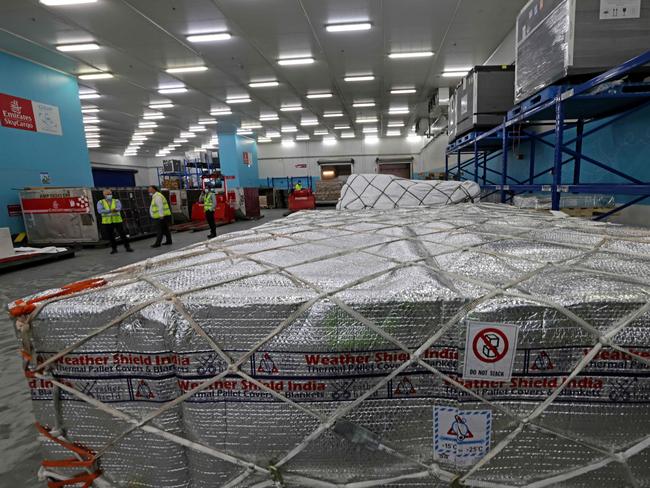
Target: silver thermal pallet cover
[
  {"x": 560, "y": 38},
  {"x": 484, "y": 97}
]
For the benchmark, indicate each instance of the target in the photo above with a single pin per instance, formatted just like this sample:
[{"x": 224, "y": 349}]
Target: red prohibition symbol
[{"x": 490, "y": 345}]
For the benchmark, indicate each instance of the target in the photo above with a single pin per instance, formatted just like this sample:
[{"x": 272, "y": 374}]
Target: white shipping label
[
  {"x": 490, "y": 351},
  {"x": 461, "y": 437},
  {"x": 47, "y": 118},
  {"x": 620, "y": 9}
]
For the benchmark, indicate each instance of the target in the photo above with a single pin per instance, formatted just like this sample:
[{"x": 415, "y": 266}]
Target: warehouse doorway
[{"x": 397, "y": 167}]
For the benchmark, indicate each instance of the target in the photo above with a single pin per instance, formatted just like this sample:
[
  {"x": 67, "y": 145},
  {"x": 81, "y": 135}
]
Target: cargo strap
[
  {"x": 21, "y": 307},
  {"x": 82, "y": 458}
]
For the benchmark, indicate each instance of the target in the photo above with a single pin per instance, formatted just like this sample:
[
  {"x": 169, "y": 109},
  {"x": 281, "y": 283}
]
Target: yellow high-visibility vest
[
  {"x": 155, "y": 211},
  {"x": 207, "y": 202},
  {"x": 114, "y": 217}
]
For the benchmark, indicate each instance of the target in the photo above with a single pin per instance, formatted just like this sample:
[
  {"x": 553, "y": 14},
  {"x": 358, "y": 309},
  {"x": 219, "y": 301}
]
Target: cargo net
[
  {"x": 385, "y": 192},
  {"x": 326, "y": 349}
]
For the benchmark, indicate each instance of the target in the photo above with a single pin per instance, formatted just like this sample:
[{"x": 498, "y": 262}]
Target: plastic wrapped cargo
[
  {"x": 386, "y": 191},
  {"x": 459, "y": 345},
  {"x": 567, "y": 200},
  {"x": 560, "y": 38}
]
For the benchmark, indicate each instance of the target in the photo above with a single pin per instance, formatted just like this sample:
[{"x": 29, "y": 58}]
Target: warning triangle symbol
[
  {"x": 144, "y": 391},
  {"x": 459, "y": 429},
  {"x": 267, "y": 365},
  {"x": 405, "y": 387},
  {"x": 542, "y": 362}
]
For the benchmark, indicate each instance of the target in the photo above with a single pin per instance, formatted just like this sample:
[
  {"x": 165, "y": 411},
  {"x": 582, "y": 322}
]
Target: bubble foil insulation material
[{"x": 319, "y": 308}]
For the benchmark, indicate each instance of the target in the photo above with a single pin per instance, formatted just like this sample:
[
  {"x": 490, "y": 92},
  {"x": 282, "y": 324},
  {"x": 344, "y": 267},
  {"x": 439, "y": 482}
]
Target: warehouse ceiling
[{"x": 139, "y": 40}]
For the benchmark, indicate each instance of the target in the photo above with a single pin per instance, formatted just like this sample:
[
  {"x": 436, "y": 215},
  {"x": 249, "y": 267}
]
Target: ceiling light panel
[
  {"x": 296, "y": 61},
  {"x": 96, "y": 76},
  {"x": 71, "y": 48},
  {"x": 349, "y": 27},
  {"x": 60, "y": 3},
  {"x": 363, "y": 104},
  {"x": 412, "y": 54},
  {"x": 210, "y": 37},
  {"x": 319, "y": 95},
  {"x": 352, "y": 79},
  {"x": 402, "y": 91},
  {"x": 187, "y": 69},
  {"x": 172, "y": 91},
  {"x": 263, "y": 84}
]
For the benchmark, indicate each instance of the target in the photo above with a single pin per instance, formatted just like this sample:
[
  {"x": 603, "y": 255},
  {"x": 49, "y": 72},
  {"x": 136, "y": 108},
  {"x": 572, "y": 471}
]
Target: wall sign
[
  {"x": 56, "y": 204},
  {"x": 301, "y": 165},
  {"x": 45, "y": 178},
  {"x": 14, "y": 210},
  {"x": 490, "y": 351},
  {"x": 247, "y": 158},
  {"x": 23, "y": 114}
]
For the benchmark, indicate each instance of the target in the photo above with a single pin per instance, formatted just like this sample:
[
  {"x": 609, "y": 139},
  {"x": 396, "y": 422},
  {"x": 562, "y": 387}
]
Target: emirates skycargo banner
[{"x": 20, "y": 113}]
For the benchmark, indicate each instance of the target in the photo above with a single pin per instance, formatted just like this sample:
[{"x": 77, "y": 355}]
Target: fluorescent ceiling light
[
  {"x": 349, "y": 27},
  {"x": 342, "y": 126},
  {"x": 147, "y": 125},
  {"x": 359, "y": 78},
  {"x": 367, "y": 120},
  {"x": 348, "y": 135},
  {"x": 211, "y": 37},
  {"x": 180, "y": 141},
  {"x": 156, "y": 106},
  {"x": 70, "y": 48},
  {"x": 221, "y": 111},
  {"x": 57, "y": 3},
  {"x": 413, "y": 54},
  {"x": 319, "y": 95},
  {"x": 268, "y": 117},
  {"x": 239, "y": 100},
  {"x": 291, "y": 108},
  {"x": 251, "y": 126},
  {"x": 263, "y": 140},
  {"x": 188, "y": 135},
  {"x": 171, "y": 91},
  {"x": 286, "y": 129},
  {"x": 393, "y": 133},
  {"x": 371, "y": 139},
  {"x": 207, "y": 122},
  {"x": 89, "y": 96},
  {"x": 187, "y": 69},
  {"x": 89, "y": 110},
  {"x": 144, "y": 133},
  {"x": 91, "y": 128},
  {"x": 244, "y": 132},
  {"x": 90, "y": 120},
  {"x": 402, "y": 91},
  {"x": 288, "y": 142},
  {"x": 370, "y": 130},
  {"x": 263, "y": 84},
  {"x": 153, "y": 116},
  {"x": 96, "y": 76},
  {"x": 272, "y": 134},
  {"x": 363, "y": 104},
  {"x": 321, "y": 132},
  {"x": 309, "y": 122},
  {"x": 329, "y": 141},
  {"x": 197, "y": 128},
  {"x": 332, "y": 115},
  {"x": 302, "y": 137},
  {"x": 455, "y": 72},
  {"x": 296, "y": 61},
  {"x": 399, "y": 111},
  {"x": 396, "y": 124}
]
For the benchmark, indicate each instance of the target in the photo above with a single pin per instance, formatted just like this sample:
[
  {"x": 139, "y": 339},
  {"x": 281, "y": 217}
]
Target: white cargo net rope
[
  {"x": 385, "y": 191},
  {"x": 421, "y": 470}
]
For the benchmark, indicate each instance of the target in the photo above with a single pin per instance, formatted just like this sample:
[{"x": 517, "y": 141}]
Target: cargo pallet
[{"x": 600, "y": 101}]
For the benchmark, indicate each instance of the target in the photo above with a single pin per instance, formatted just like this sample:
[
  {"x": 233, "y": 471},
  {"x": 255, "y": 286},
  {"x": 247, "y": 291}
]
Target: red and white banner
[
  {"x": 23, "y": 114},
  {"x": 55, "y": 205}
]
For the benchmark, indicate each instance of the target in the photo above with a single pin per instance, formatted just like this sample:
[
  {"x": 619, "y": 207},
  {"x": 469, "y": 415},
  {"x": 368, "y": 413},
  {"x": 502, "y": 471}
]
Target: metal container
[
  {"x": 560, "y": 38},
  {"x": 69, "y": 215},
  {"x": 483, "y": 98}
]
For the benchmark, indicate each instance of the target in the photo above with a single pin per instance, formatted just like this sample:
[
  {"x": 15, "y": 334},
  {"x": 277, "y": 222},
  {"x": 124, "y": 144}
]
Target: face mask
[{"x": 109, "y": 197}]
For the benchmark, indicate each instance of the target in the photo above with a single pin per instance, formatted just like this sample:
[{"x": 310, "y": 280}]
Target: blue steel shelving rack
[{"x": 606, "y": 97}]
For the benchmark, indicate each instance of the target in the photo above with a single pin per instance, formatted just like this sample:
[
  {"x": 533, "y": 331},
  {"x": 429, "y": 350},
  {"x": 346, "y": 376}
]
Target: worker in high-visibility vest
[
  {"x": 161, "y": 214},
  {"x": 209, "y": 200},
  {"x": 110, "y": 210},
  {"x": 297, "y": 187}
]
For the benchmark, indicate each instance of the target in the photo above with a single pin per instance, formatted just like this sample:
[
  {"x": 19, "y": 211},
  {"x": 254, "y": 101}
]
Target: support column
[{"x": 559, "y": 144}]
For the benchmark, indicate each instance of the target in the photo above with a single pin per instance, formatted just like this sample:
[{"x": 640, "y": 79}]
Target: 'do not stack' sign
[{"x": 23, "y": 114}]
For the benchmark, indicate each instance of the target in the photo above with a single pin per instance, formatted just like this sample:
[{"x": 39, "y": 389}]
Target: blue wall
[
  {"x": 24, "y": 154},
  {"x": 624, "y": 145},
  {"x": 231, "y": 157}
]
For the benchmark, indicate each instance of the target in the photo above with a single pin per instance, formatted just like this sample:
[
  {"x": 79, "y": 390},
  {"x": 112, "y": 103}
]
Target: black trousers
[
  {"x": 109, "y": 232},
  {"x": 162, "y": 229},
  {"x": 209, "y": 217}
]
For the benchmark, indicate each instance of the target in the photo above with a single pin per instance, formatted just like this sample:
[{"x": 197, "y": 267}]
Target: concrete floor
[{"x": 19, "y": 453}]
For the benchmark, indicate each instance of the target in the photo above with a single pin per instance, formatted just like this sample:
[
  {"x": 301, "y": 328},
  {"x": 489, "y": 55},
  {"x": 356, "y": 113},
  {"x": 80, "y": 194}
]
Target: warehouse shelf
[
  {"x": 190, "y": 175},
  {"x": 600, "y": 101}
]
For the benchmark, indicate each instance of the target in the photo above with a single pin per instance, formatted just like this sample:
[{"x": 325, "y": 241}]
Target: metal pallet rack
[
  {"x": 600, "y": 102},
  {"x": 192, "y": 170}
]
